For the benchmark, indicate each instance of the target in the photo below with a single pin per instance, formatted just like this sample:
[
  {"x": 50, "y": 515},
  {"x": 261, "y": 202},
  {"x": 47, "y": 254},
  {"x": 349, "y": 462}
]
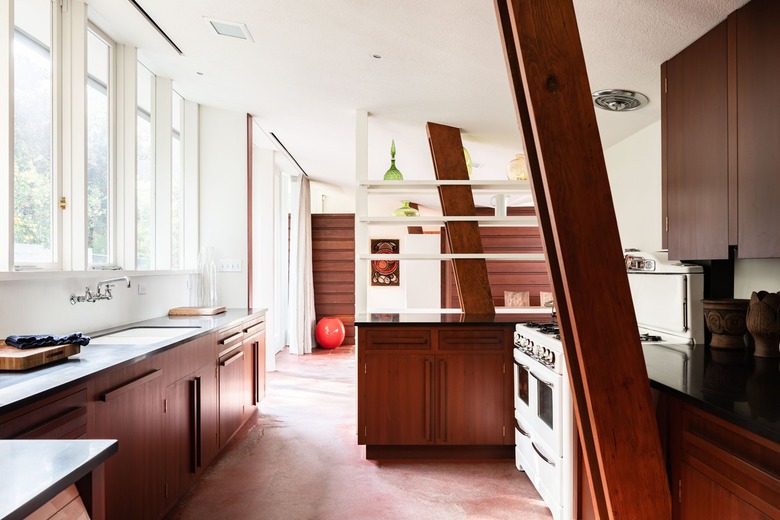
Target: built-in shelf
[
  {"x": 454, "y": 256},
  {"x": 476, "y": 185},
  {"x": 426, "y": 220}
]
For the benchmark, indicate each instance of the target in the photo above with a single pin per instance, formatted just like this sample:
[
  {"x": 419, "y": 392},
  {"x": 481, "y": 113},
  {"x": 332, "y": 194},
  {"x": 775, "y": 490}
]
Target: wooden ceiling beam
[{"x": 613, "y": 407}]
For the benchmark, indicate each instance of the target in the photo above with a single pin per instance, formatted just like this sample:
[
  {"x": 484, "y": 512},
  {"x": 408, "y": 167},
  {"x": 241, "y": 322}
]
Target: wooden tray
[
  {"x": 195, "y": 311},
  {"x": 12, "y": 358}
]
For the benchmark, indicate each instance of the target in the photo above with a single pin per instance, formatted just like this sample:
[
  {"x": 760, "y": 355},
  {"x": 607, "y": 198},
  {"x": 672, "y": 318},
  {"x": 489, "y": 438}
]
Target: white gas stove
[{"x": 667, "y": 300}]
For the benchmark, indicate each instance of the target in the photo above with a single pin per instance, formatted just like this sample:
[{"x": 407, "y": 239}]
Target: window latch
[{"x": 63, "y": 203}]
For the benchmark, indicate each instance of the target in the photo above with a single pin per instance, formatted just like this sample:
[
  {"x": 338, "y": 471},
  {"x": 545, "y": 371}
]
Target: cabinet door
[
  {"x": 696, "y": 149},
  {"x": 758, "y": 82},
  {"x": 129, "y": 408},
  {"x": 470, "y": 399},
  {"x": 231, "y": 393},
  {"x": 189, "y": 431},
  {"x": 398, "y": 399},
  {"x": 700, "y": 497}
]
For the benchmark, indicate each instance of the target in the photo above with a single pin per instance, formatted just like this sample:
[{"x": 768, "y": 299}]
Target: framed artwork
[{"x": 385, "y": 272}]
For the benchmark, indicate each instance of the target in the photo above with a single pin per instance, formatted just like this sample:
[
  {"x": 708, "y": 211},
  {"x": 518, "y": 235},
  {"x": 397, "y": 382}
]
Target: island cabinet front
[{"x": 434, "y": 391}]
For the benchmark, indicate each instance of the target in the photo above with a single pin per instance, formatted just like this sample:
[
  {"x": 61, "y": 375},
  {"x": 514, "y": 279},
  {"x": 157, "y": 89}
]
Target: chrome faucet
[{"x": 103, "y": 291}]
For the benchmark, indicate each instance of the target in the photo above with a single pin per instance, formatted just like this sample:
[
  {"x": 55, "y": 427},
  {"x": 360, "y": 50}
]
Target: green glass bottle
[{"x": 393, "y": 174}]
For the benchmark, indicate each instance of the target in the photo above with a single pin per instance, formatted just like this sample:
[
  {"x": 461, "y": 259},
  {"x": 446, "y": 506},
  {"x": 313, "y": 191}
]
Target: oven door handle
[
  {"x": 521, "y": 430},
  {"x": 524, "y": 367},
  {"x": 545, "y": 383},
  {"x": 542, "y": 455}
]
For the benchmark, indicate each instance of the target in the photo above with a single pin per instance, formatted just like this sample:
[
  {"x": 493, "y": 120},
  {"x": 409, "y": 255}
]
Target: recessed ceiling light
[
  {"x": 231, "y": 29},
  {"x": 377, "y": 56}
]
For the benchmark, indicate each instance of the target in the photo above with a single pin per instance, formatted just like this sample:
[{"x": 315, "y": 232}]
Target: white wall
[
  {"x": 756, "y": 275},
  {"x": 223, "y": 204},
  {"x": 42, "y": 305},
  {"x": 634, "y": 168},
  {"x": 326, "y": 198}
]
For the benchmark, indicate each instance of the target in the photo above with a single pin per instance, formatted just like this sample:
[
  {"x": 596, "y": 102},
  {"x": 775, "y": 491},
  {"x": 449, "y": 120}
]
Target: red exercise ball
[{"x": 329, "y": 332}]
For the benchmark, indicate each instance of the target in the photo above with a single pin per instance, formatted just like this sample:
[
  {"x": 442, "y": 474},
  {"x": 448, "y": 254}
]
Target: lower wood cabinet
[
  {"x": 59, "y": 416},
  {"x": 128, "y": 406},
  {"x": 440, "y": 386},
  {"x": 719, "y": 470}
]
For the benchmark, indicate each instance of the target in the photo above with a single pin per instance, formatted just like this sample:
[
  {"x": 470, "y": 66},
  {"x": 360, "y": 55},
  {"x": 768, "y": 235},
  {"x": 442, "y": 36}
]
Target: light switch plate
[{"x": 230, "y": 265}]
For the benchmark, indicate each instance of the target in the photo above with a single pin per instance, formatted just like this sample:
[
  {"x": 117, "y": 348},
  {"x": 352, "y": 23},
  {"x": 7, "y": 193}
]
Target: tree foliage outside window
[{"x": 33, "y": 180}]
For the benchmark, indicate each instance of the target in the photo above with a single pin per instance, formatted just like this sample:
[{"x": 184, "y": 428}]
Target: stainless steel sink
[{"x": 141, "y": 335}]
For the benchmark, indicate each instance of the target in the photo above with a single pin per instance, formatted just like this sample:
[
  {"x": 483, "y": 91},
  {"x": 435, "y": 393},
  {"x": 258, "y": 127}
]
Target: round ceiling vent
[{"x": 619, "y": 100}]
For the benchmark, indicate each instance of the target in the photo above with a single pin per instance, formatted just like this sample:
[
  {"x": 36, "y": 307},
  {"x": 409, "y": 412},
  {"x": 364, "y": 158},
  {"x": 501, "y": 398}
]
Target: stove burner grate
[{"x": 649, "y": 337}]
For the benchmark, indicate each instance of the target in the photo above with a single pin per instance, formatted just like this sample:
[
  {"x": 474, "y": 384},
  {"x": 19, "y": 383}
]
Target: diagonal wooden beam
[
  {"x": 611, "y": 392},
  {"x": 449, "y": 163}
]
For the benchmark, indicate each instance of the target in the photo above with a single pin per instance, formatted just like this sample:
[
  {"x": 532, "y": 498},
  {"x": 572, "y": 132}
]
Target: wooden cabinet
[
  {"x": 190, "y": 440},
  {"x": 758, "y": 135},
  {"x": 696, "y": 149},
  {"x": 441, "y": 385},
  {"x": 719, "y": 470},
  {"x": 128, "y": 406},
  {"x": 59, "y": 416},
  {"x": 719, "y": 140},
  {"x": 254, "y": 341},
  {"x": 231, "y": 363}
]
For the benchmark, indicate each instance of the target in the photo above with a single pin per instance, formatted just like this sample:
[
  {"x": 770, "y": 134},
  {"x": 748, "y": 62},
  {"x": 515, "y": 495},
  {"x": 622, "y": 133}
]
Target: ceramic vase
[{"x": 763, "y": 323}]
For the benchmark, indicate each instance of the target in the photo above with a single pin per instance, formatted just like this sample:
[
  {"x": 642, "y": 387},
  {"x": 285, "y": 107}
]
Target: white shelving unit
[{"x": 365, "y": 221}]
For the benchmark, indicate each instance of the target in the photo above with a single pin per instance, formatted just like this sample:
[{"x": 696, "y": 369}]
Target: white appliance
[{"x": 667, "y": 299}]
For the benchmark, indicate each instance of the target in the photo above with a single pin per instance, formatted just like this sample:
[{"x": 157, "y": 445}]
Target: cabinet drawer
[
  {"x": 398, "y": 339},
  {"x": 471, "y": 339},
  {"x": 62, "y": 416},
  {"x": 746, "y": 465}
]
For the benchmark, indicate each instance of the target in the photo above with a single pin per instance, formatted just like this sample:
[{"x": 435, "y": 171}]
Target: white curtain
[{"x": 301, "y": 296}]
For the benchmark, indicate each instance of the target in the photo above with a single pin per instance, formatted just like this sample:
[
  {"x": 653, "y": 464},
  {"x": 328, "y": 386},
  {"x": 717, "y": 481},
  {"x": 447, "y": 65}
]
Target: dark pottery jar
[
  {"x": 726, "y": 320},
  {"x": 763, "y": 322}
]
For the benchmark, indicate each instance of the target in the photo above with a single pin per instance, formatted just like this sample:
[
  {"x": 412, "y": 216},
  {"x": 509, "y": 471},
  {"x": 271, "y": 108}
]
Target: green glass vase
[
  {"x": 406, "y": 210},
  {"x": 393, "y": 174}
]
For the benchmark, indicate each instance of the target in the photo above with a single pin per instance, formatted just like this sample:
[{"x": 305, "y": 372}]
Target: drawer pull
[
  {"x": 255, "y": 328},
  {"x": 230, "y": 339},
  {"x": 132, "y": 385},
  {"x": 233, "y": 359}
]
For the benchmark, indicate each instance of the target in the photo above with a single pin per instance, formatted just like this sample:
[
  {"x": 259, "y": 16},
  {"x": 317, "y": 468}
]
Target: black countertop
[
  {"x": 37, "y": 471},
  {"x": 19, "y": 387},
  {"x": 737, "y": 387}
]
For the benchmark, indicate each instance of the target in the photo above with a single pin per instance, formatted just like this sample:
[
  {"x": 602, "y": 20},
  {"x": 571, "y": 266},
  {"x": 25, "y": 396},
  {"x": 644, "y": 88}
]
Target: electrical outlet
[
  {"x": 230, "y": 265},
  {"x": 141, "y": 288}
]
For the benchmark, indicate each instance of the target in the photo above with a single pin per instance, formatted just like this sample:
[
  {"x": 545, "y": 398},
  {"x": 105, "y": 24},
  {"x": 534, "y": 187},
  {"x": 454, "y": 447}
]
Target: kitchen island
[
  {"x": 436, "y": 385},
  {"x": 42, "y": 469}
]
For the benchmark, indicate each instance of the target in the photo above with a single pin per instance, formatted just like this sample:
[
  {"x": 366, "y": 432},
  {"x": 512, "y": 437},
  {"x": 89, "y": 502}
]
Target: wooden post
[
  {"x": 613, "y": 407},
  {"x": 471, "y": 275}
]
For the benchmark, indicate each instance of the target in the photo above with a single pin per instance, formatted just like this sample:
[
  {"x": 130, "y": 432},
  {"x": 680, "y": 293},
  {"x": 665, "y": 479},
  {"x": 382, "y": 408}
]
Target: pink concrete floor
[{"x": 298, "y": 459}]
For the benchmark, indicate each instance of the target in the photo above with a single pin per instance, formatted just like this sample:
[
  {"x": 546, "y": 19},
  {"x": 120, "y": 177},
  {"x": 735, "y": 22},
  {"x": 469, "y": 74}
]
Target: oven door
[
  {"x": 545, "y": 397},
  {"x": 522, "y": 376}
]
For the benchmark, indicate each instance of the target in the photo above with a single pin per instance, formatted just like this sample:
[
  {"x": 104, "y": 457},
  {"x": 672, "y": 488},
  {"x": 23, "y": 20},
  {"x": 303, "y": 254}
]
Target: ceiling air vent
[
  {"x": 230, "y": 29},
  {"x": 619, "y": 100}
]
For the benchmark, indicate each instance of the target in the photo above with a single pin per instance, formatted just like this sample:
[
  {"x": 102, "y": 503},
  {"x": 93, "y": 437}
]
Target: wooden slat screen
[
  {"x": 333, "y": 251},
  {"x": 523, "y": 275}
]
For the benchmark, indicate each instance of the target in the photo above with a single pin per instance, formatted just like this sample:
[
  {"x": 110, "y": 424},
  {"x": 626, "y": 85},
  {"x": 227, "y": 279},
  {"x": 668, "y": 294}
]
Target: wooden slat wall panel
[
  {"x": 333, "y": 256},
  {"x": 528, "y": 276}
]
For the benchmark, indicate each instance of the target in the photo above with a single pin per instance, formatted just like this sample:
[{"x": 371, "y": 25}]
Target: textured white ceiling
[{"x": 311, "y": 67}]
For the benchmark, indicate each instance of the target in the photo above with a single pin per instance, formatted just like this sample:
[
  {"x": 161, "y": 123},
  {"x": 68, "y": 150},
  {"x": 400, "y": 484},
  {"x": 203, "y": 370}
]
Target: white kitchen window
[
  {"x": 145, "y": 170},
  {"x": 35, "y": 182},
  {"x": 98, "y": 154},
  {"x": 177, "y": 181},
  {"x": 100, "y": 170}
]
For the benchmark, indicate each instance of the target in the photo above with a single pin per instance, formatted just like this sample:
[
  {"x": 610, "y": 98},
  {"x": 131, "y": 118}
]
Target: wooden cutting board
[
  {"x": 12, "y": 358},
  {"x": 195, "y": 311}
]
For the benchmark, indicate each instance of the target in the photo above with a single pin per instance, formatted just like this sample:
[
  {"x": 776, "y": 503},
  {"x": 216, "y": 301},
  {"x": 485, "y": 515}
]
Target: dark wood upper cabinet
[
  {"x": 695, "y": 144},
  {"x": 758, "y": 82}
]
